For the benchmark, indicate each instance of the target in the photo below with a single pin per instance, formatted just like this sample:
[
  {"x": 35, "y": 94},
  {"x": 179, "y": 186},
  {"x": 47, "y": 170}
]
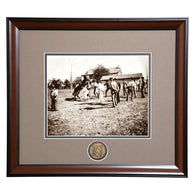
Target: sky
[{"x": 59, "y": 66}]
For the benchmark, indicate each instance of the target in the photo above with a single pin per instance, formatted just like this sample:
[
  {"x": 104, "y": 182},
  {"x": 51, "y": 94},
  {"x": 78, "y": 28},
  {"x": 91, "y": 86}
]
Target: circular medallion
[{"x": 97, "y": 150}]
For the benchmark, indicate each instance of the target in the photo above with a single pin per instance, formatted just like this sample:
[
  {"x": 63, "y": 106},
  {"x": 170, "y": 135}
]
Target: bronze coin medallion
[{"x": 97, "y": 150}]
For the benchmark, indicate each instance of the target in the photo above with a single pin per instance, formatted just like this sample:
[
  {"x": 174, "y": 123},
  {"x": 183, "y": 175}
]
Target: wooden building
[
  {"x": 122, "y": 77},
  {"x": 114, "y": 71}
]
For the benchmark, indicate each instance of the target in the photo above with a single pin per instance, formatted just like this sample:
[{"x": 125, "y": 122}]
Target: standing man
[
  {"x": 107, "y": 85},
  {"x": 124, "y": 87},
  {"x": 134, "y": 89},
  {"x": 130, "y": 90},
  {"x": 53, "y": 95},
  {"x": 118, "y": 93},
  {"x": 95, "y": 84},
  {"x": 101, "y": 90},
  {"x": 142, "y": 88},
  {"x": 139, "y": 85},
  {"x": 114, "y": 91}
]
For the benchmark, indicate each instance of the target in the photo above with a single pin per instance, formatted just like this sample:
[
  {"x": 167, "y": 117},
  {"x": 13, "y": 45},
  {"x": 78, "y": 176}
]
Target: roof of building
[
  {"x": 89, "y": 72},
  {"x": 113, "y": 70},
  {"x": 123, "y": 76}
]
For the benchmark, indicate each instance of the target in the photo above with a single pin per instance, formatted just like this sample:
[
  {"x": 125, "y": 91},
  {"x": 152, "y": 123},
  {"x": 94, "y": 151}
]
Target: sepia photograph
[{"x": 92, "y": 95}]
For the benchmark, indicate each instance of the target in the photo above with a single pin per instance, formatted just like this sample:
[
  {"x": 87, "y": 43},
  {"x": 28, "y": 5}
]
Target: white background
[{"x": 97, "y": 185}]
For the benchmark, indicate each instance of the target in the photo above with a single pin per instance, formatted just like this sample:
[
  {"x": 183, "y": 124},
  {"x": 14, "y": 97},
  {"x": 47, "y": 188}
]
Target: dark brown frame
[{"x": 14, "y": 25}]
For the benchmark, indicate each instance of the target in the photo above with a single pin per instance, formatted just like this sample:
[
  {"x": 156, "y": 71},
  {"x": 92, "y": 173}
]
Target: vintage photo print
[{"x": 97, "y": 95}]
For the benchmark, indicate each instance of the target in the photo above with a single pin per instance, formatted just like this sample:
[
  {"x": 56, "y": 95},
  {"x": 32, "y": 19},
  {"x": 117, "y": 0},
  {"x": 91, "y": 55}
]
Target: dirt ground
[{"x": 93, "y": 118}]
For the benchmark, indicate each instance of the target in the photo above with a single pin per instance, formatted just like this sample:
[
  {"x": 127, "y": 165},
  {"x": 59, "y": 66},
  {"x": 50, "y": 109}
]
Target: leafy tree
[
  {"x": 55, "y": 83},
  {"x": 67, "y": 84},
  {"x": 76, "y": 81},
  {"x": 100, "y": 71}
]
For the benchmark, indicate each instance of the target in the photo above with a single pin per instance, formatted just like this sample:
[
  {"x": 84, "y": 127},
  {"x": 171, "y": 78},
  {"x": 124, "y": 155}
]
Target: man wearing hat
[
  {"x": 114, "y": 91},
  {"x": 118, "y": 92},
  {"x": 142, "y": 88},
  {"x": 130, "y": 89},
  {"x": 53, "y": 95}
]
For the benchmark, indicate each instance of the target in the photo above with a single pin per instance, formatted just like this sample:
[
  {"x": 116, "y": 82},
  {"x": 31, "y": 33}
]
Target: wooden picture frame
[{"x": 15, "y": 25}]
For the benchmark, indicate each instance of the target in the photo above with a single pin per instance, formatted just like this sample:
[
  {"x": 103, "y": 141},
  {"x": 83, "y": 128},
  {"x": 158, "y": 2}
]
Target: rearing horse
[{"x": 80, "y": 86}]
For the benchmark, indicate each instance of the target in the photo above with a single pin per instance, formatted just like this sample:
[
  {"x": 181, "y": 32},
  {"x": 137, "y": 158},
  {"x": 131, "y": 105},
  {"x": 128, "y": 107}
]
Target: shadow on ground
[
  {"x": 95, "y": 108},
  {"x": 93, "y": 103}
]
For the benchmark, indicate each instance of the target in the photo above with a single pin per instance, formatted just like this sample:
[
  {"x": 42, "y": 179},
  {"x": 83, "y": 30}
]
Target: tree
[
  {"x": 55, "y": 83},
  {"x": 67, "y": 84},
  {"x": 76, "y": 81},
  {"x": 100, "y": 71}
]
